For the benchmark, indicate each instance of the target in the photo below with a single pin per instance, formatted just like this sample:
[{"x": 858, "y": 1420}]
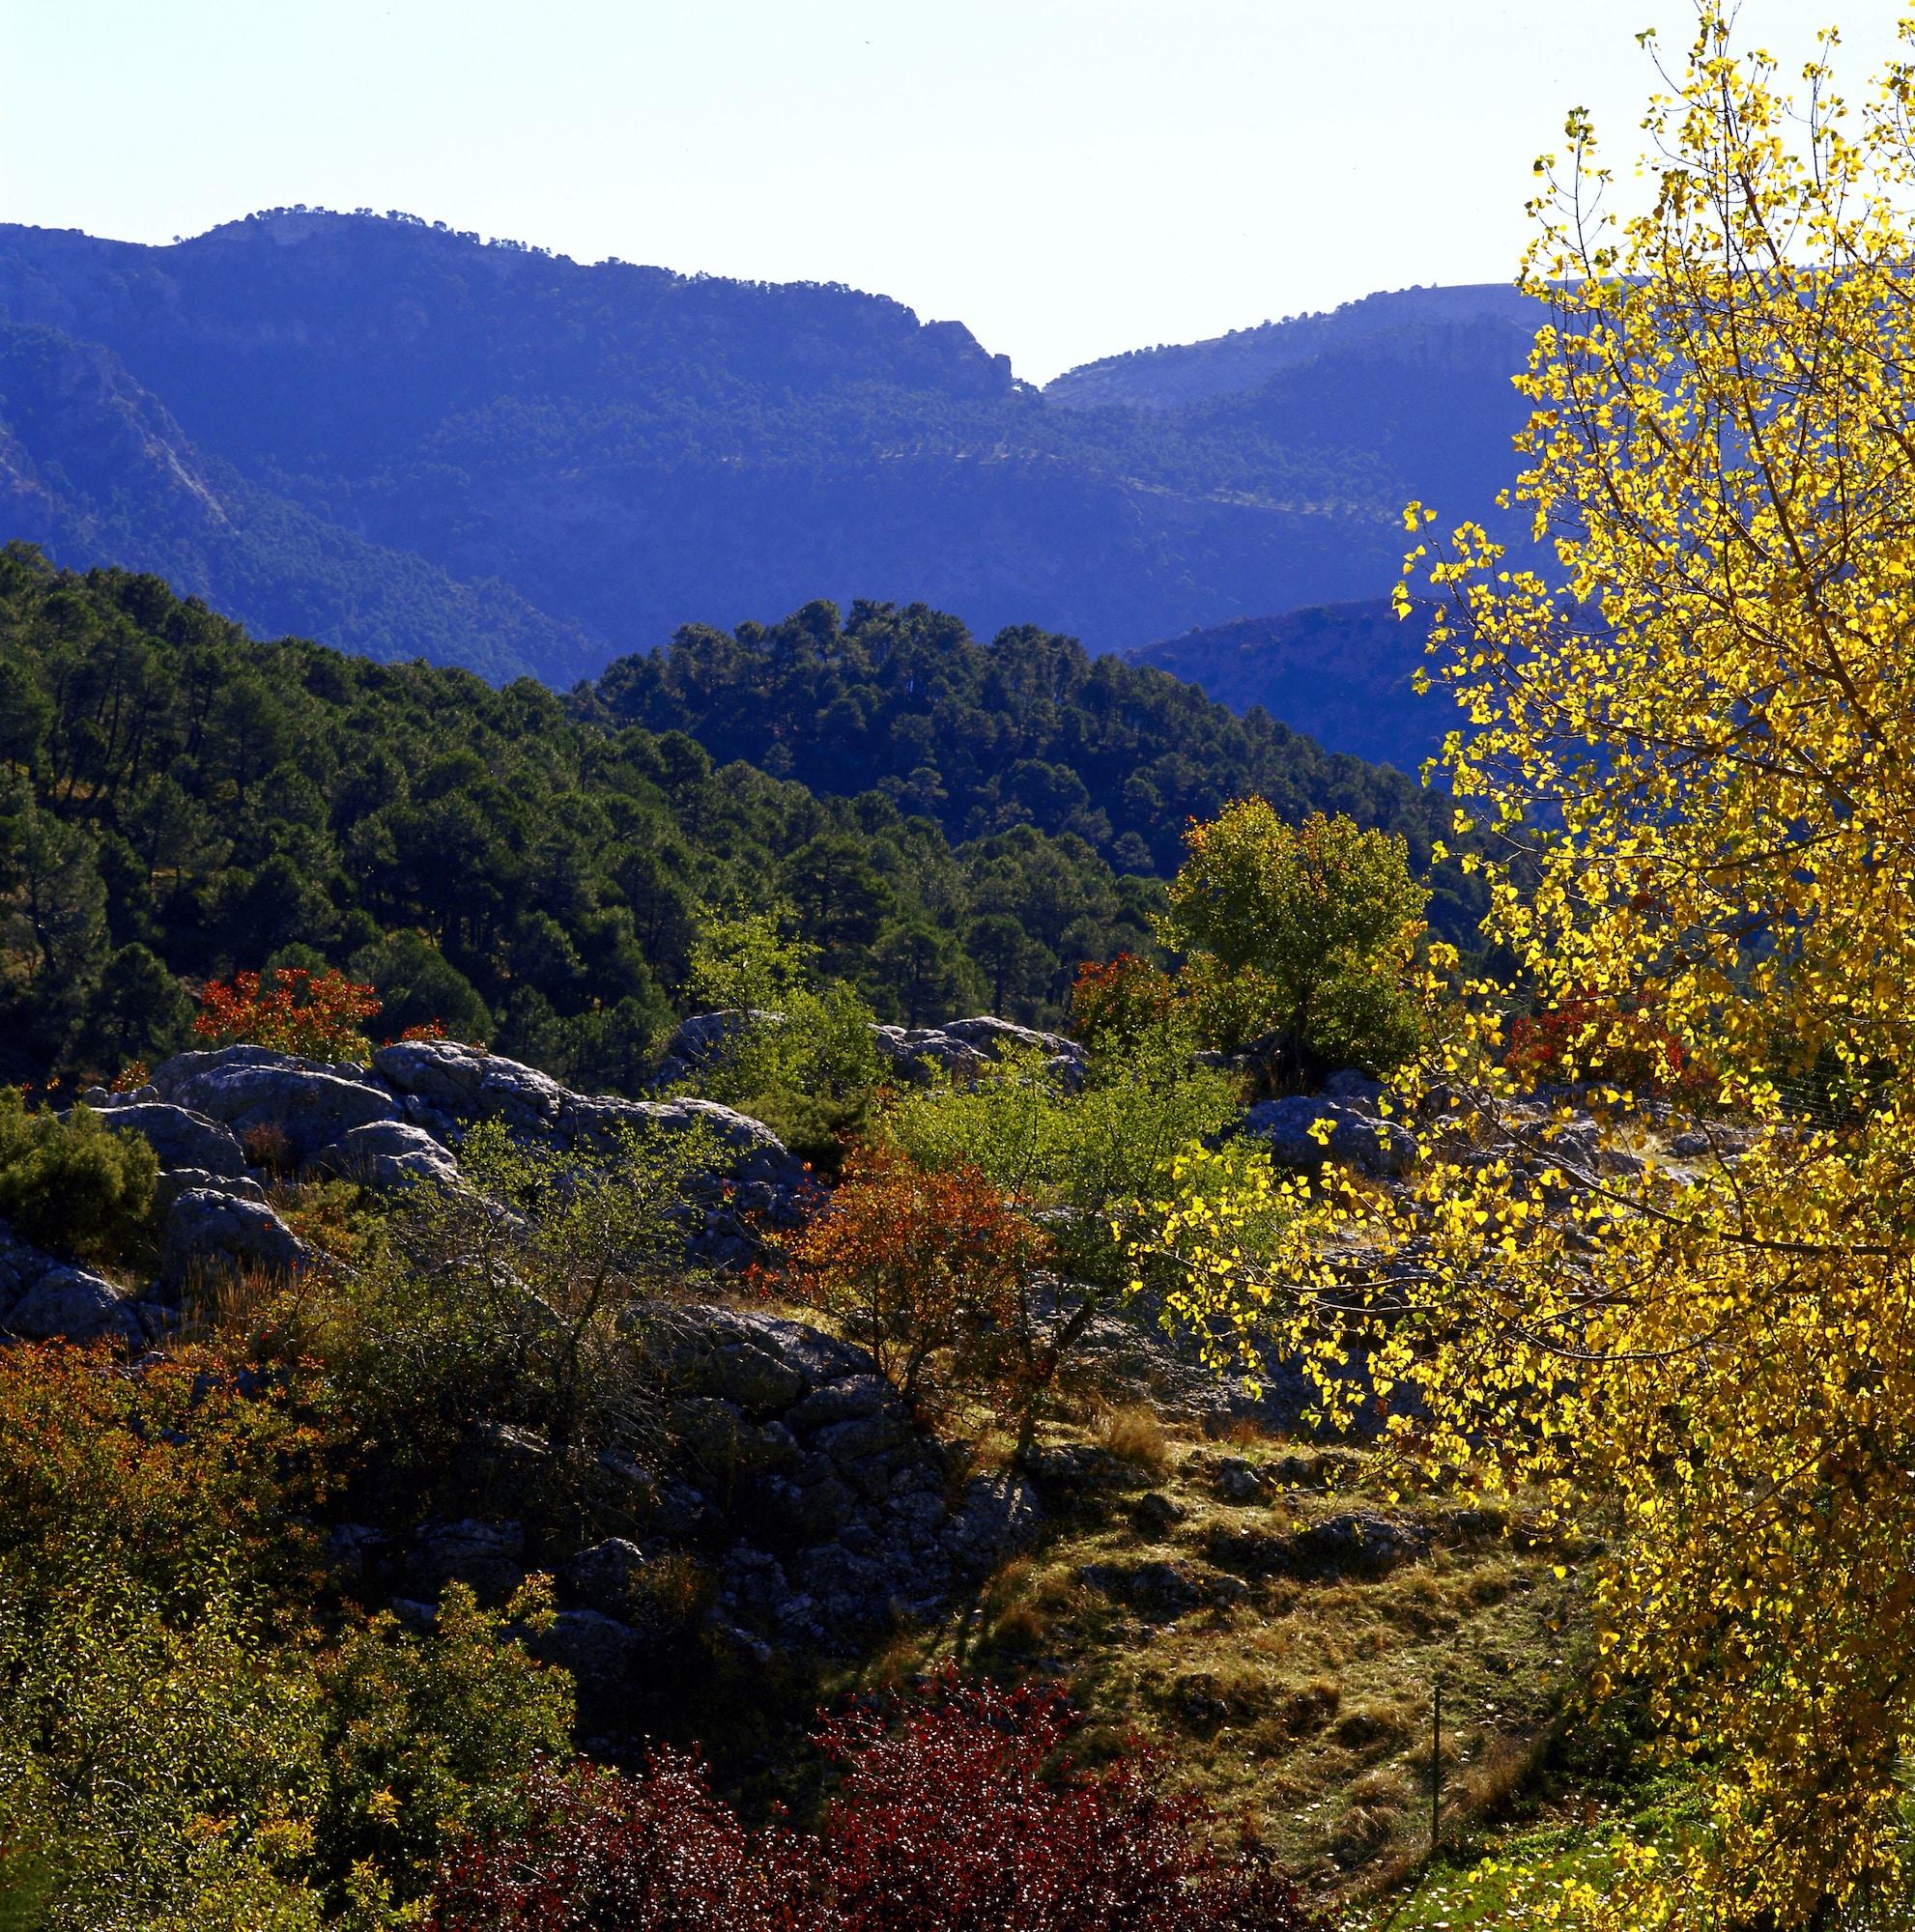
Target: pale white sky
[{"x": 1068, "y": 177}]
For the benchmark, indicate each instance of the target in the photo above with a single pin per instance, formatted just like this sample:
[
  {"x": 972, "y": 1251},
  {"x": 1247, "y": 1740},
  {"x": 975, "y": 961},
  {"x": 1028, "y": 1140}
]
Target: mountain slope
[
  {"x": 1173, "y": 374},
  {"x": 627, "y": 451},
  {"x": 1340, "y": 672},
  {"x": 95, "y": 468}
]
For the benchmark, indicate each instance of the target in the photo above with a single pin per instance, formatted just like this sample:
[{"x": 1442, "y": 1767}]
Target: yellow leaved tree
[{"x": 1695, "y": 735}]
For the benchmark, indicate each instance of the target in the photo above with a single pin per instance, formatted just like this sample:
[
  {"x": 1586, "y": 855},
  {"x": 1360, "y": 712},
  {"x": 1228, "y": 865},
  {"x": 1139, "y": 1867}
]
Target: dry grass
[
  {"x": 1304, "y": 1706},
  {"x": 1134, "y": 1435}
]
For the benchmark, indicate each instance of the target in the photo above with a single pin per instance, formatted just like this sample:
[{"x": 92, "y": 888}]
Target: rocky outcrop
[
  {"x": 1306, "y": 1132},
  {"x": 850, "y": 1515},
  {"x": 309, "y": 1105},
  {"x": 966, "y": 1047},
  {"x": 697, "y": 1043},
  {"x": 42, "y": 1298},
  {"x": 212, "y": 1232},
  {"x": 179, "y": 1137},
  {"x": 792, "y": 1479},
  {"x": 443, "y": 1087},
  {"x": 393, "y": 1153}
]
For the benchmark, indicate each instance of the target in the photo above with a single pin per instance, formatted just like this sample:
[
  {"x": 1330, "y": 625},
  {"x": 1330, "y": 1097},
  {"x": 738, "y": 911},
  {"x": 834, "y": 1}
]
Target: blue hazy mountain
[{"x": 408, "y": 442}]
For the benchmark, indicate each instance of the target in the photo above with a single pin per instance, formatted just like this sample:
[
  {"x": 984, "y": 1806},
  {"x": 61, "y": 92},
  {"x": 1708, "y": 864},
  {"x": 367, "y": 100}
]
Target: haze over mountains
[{"x": 408, "y": 442}]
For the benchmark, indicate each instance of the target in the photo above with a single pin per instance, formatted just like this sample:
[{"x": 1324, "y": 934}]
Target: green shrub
[
  {"x": 802, "y": 1059},
  {"x": 500, "y": 1301},
  {"x": 72, "y": 1185},
  {"x": 181, "y": 1747},
  {"x": 1082, "y": 1158}
]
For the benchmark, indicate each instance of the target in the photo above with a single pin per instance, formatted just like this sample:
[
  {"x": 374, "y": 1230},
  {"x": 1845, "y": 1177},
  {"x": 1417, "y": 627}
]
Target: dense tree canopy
[
  {"x": 177, "y": 800},
  {"x": 1028, "y": 730}
]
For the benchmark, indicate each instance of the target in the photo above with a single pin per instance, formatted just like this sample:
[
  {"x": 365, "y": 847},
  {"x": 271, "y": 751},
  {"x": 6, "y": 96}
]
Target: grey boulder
[
  {"x": 311, "y": 1104},
  {"x": 178, "y": 1136},
  {"x": 599, "y": 1651},
  {"x": 1356, "y": 1137},
  {"x": 391, "y": 1153},
  {"x": 212, "y": 1232},
  {"x": 74, "y": 1304},
  {"x": 487, "y": 1556}
]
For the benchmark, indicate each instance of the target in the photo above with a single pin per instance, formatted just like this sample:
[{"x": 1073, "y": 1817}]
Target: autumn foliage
[
  {"x": 321, "y": 1015},
  {"x": 929, "y": 1267},
  {"x": 1610, "y": 1042},
  {"x": 1115, "y": 1002},
  {"x": 953, "y": 1812}
]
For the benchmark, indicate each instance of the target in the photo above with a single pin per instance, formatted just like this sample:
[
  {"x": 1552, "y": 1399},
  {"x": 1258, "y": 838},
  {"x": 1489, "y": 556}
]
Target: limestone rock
[
  {"x": 606, "y": 1578},
  {"x": 998, "y": 1516},
  {"x": 74, "y": 1304},
  {"x": 466, "y": 1083},
  {"x": 178, "y": 1180},
  {"x": 964, "y": 1047},
  {"x": 487, "y": 1556},
  {"x": 312, "y": 1103},
  {"x": 599, "y": 1651},
  {"x": 1239, "y": 1481},
  {"x": 1160, "y": 1592},
  {"x": 1356, "y": 1137},
  {"x": 207, "y": 1230},
  {"x": 695, "y": 1042},
  {"x": 179, "y": 1137},
  {"x": 1154, "y": 1514},
  {"x": 1359, "y": 1543},
  {"x": 391, "y": 1153}
]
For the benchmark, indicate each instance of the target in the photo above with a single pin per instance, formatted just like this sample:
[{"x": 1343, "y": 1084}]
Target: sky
[{"x": 1069, "y": 178}]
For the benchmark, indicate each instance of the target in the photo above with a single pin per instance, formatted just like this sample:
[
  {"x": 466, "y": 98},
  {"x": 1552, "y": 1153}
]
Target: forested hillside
[
  {"x": 182, "y": 800},
  {"x": 1026, "y": 730},
  {"x": 405, "y": 442},
  {"x": 1341, "y": 672}
]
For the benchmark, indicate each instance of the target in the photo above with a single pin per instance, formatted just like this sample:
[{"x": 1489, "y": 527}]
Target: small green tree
[
  {"x": 799, "y": 1057},
  {"x": 72, "y": 1185},
  {"x": 501, "y": 1300},
  {"x": 1299, "y": 938}
]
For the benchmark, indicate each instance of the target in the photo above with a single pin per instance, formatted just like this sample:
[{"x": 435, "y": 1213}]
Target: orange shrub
[
  {"x": 929, "y": 1270},
  {"x": 178, "y": 1470},
  {"x": 321, "y": 1015},
  {"x": 1116, "y": 1002}
]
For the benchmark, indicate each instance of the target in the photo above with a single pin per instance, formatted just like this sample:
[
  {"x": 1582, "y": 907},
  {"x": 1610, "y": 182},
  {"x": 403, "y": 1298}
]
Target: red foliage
[
  {"x": 601, "y": 1852},
  {"x": 947, "y": 1819},
  {"x": 1606, "y": 1041},
  {"x": 1120, "y": 1000},
  {"x": 321, "y": 1015},
  {"x": 929, "y": 1266}
]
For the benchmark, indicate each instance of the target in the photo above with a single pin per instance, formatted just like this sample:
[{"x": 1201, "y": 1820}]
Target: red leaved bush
[
  {"x": 1118, "y": 1001},
  {"x": 1610, "y": 1042},
  {"x": 952, "y": 1815},
  {"x": 321, "y": 1015},
  {"x": 952, "y": 1818},
  {"x": 928, "y": 1266},
  {"x": 602, "y": 1853}
]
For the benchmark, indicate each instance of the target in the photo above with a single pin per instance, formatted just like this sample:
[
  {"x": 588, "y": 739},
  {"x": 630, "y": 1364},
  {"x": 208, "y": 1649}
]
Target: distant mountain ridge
[
  {"x": 1175, "y": 374},
  {"x": 409, "y": 442}
]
